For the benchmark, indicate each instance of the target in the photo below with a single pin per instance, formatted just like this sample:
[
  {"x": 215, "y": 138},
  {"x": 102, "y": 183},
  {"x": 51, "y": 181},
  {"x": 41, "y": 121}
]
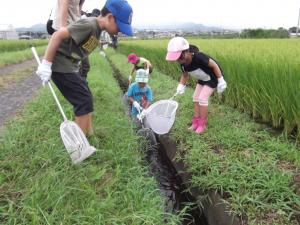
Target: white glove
[
  {"x": 180, "y": 89},
  {"x": 142, "y": 114},
  {"x": 105, "y": 46},
  {"x": 129, "y": 77},
  {"x": 221, "y": 85},
  {"x": 44, "y": 71},
  {"x": 147, "y": 71},
  {"x": 103, "y": 53},
  {"x": 137, "y": 106}
]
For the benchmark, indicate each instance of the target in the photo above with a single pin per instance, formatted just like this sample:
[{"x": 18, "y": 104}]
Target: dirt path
[
  {"x": 17, "y": 94},
  {"x": 19, "y": 66}
]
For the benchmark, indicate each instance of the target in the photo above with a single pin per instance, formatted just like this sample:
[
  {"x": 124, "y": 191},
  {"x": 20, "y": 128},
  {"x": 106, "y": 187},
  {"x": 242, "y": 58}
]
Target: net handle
[
  {"x": 49, "y": 84},
  {"x": 176, "y": 93}
]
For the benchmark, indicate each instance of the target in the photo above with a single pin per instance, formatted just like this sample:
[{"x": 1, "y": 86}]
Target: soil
[
  {"x": 17, "y": 94},
  {"x": 13, "y": 67}
]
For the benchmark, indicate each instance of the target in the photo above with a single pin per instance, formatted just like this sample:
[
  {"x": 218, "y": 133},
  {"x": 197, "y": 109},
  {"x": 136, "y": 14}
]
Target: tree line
[{"x": 265, "y": 33}]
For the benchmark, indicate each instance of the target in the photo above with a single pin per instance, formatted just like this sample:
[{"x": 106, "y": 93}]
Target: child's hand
[
  {"x": 180, "y": 89},
  {"x": 137, "y": 106},
  {"x": 44, "y": 71},
  {"x": 141, "y": 115},
  {"x": 222, "y": 85}
]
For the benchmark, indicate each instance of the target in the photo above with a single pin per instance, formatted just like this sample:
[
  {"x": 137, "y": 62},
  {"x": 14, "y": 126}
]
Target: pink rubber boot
[
  {"x": 202, "y": 126},
  {"x": 195, "y": 123}
]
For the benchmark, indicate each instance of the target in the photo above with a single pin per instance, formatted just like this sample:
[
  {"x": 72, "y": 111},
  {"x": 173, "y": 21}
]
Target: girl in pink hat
[
  {"x": 139, "y": 63},
  {"x": 205, "y": 69}
]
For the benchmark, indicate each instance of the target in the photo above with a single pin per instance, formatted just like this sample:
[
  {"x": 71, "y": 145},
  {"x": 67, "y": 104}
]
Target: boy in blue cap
[{"x": 69, "y": 45}]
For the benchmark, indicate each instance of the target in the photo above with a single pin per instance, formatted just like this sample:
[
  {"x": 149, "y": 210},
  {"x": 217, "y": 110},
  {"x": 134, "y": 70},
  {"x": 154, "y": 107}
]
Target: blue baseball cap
[{"x": 122, "y": 12}]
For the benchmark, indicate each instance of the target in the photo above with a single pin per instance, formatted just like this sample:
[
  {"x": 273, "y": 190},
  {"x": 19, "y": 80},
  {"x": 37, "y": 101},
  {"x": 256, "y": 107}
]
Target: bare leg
[
  {"x": 203, "y": 111},
  {"x": 196, "y": 109},
  {"x": 84, "y": 122},
  {"x": 200, "y": 110},
  {"x": 90, "y": 130}
]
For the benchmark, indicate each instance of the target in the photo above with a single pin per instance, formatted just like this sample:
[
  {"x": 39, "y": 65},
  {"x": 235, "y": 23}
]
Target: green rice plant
[
  {"x": 7, "y": 58},
  {"x": 18, "y": 45}
]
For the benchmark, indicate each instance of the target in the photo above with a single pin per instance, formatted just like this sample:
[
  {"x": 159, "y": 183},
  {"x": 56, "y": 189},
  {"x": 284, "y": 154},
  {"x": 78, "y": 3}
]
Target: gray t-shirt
[
  {"x": 85, "y": 35},
  {"x": 73, "y": 13}
]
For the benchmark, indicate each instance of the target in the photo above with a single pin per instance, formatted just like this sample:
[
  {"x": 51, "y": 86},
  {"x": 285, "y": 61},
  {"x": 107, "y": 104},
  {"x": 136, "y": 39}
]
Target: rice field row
[
  {"x": 17, "y": 45},
  {"x": 262, "y": 75},
  {"x": 13, "y": 57}
]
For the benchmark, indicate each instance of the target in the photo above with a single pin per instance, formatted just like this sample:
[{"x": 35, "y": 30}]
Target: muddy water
[
  {"x": 168, "y": 181},
  {"x": 171, "y": 187}
]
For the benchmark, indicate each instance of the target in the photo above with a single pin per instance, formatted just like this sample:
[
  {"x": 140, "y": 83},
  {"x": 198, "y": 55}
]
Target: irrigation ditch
[{"x": 174, "y": 179}]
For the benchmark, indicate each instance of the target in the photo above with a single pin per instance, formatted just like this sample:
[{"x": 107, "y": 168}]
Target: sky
[{"x": 235, "y": 14}]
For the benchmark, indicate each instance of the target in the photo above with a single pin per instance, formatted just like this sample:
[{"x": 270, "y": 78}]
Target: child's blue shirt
[{"x": 141, "y": 95}]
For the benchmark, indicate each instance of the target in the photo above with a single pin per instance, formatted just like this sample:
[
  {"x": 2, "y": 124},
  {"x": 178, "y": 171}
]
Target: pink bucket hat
[{"x": 132, "y": 58}]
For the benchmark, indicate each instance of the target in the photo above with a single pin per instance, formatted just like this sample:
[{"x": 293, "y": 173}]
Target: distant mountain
[
  {"x": 40, "y": 27},
  {"x": 186, "y": 27},
  {"x": 178, "y": 26}
]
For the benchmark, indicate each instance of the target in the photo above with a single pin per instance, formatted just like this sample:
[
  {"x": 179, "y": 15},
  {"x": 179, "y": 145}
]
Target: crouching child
[{"x": 139, "y": 94}]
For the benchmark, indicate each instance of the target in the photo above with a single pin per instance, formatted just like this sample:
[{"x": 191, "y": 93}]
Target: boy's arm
[
  {"x": 147, "y": 67},
  {"x": 55, "y": 42},
  {"x": 131, "y": 100},
  {"x": 44, "y": 70},
  {"x": 130, "y": 95},
  {"x": 132, "y": 71},
  {"x": 148, "y": 64}
]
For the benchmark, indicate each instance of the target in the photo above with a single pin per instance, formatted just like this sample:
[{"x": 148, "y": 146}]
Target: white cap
[
  {"x": 175, "y": 47},
  {"x": 141, "y": 76}
]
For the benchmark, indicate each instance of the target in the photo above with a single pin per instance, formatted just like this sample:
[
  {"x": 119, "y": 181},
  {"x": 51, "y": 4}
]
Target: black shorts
[{"x": 76, "y": 90}]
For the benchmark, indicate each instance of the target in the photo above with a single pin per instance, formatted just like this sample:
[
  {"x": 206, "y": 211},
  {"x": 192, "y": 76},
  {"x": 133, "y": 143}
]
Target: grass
[
  {"x": 39, "y": 185},
  {"x": 240, "y": 159},
  {"x": 12, "y": 57}
]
